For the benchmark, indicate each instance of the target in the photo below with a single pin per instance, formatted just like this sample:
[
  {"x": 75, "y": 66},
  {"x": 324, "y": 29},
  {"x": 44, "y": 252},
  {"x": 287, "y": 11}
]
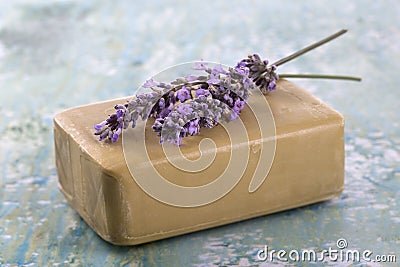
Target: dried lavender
[
  {"x": 260, "y": 72},
  {"x": 185, "y": 105}
]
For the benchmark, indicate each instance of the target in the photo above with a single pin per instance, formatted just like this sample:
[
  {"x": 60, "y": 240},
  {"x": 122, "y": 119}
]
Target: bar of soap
[{"x": 308, "y": 167}]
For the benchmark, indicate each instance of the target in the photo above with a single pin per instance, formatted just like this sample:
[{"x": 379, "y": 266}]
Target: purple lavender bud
[
  {"x": 172, "y": 97},
  {"x": 99, "y": 126},
  {"x": 165, "y": 111},
  {"x": 161, "y": 103},
  {"x": 112, "y": 117},
  {"x": 243, "y": 70},
  {"x": 150, "y": 83},
  {"x": 202, "y": 91},
  {"x": 184, "y": 130},
  {"x": 104, "y": 135},
  {"x": 120, "y": 113},
  {"x": 170, "y": 124},
  {"x": 239, "y": 105},
  {"x": 218, "y": 69},
  {"x": 214, "y": 79},
  {"x": 200, "y": 65},
  {"x": 228, "y": 99},
  {"x": 194, "y": 127},
  {"x": 209, "y": 123},
  {"x": 257, "y": 57},
  {"x": 119, "y": 106},
  {"x": 272, "y": 85},
  {"x": 163, "y": 85},
  {"x": 247, "y": 82},
  {"x": 204, "y": 106},
  {"x": 240, "y": 65},
  {"x": 116, "y": 135},
  {"x": 183, "y": 94},
  {"x": 184, "y": 109},
  {"x": 157, "y": 126},
  {"x": 221, "y": 89},
  {"x": 233, "y": 116}
]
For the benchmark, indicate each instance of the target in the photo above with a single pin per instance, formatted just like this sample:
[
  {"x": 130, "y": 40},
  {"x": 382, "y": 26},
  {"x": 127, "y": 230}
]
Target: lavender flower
[
  {"x": 99, "y": 126},
  {"x": 150, "y": 83},
  {"x": 200, "y": 65},
  {"x": 112, "y": 127},
  {"x": 126, "y": 114},
  {"x": 218, "y": 69},
  {"x": 185, "y": 105},
  {"x": 182, "y": 107},
  {"x": 260, "y": 72},
  {"x": 194, "y": 126},
  {"x": 202, "y": 91},
  {"x": 238, "y": 106},
  {"x": 214, "y": 78},
  {"x": 228, "y": 99},
  {"x": 183, "y": 94}
]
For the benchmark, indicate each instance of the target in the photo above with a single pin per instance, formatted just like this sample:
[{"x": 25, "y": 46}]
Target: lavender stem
[
  {"x": 309, "y": 48},
  {"x": 321, "y": 76}
]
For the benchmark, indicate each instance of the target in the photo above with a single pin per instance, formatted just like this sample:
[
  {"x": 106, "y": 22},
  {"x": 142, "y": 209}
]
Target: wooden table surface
[{"x": 59, "y": 54}]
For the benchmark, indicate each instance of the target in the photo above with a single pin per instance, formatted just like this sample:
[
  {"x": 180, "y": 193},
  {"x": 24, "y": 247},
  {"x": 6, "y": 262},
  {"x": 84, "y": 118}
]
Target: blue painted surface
[{"x": 60, "y": 54}]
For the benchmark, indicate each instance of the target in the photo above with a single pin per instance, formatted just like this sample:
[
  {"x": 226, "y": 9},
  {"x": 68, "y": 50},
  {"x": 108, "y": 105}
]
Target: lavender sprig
[
  {"x": 260, "y": 72},
  {"x": 140, "y": 106},
  {"x": 193, "y": 101},
  {"x": 185, "y": 105}
]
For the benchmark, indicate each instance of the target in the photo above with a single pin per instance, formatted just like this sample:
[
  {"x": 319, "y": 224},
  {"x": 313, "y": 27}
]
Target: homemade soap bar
[{"x": 308, "y": 167}]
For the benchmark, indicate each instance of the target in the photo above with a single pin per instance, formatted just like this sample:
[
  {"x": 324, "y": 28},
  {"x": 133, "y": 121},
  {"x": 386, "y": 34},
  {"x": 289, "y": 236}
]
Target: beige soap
[{"x": 308, "y": 167}]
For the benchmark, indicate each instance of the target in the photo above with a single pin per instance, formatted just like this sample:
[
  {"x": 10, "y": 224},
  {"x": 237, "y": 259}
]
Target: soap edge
[{"x": 132, "y": 241}]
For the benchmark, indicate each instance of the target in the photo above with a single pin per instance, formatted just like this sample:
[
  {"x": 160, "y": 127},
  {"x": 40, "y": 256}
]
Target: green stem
[
  {"x": 320, "y": 76},
  {"x": 309, "y": 48}
]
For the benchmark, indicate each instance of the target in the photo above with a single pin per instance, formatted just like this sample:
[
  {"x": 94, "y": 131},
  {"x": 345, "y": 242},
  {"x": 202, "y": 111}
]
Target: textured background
[{"x": 60, "y": 54}]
